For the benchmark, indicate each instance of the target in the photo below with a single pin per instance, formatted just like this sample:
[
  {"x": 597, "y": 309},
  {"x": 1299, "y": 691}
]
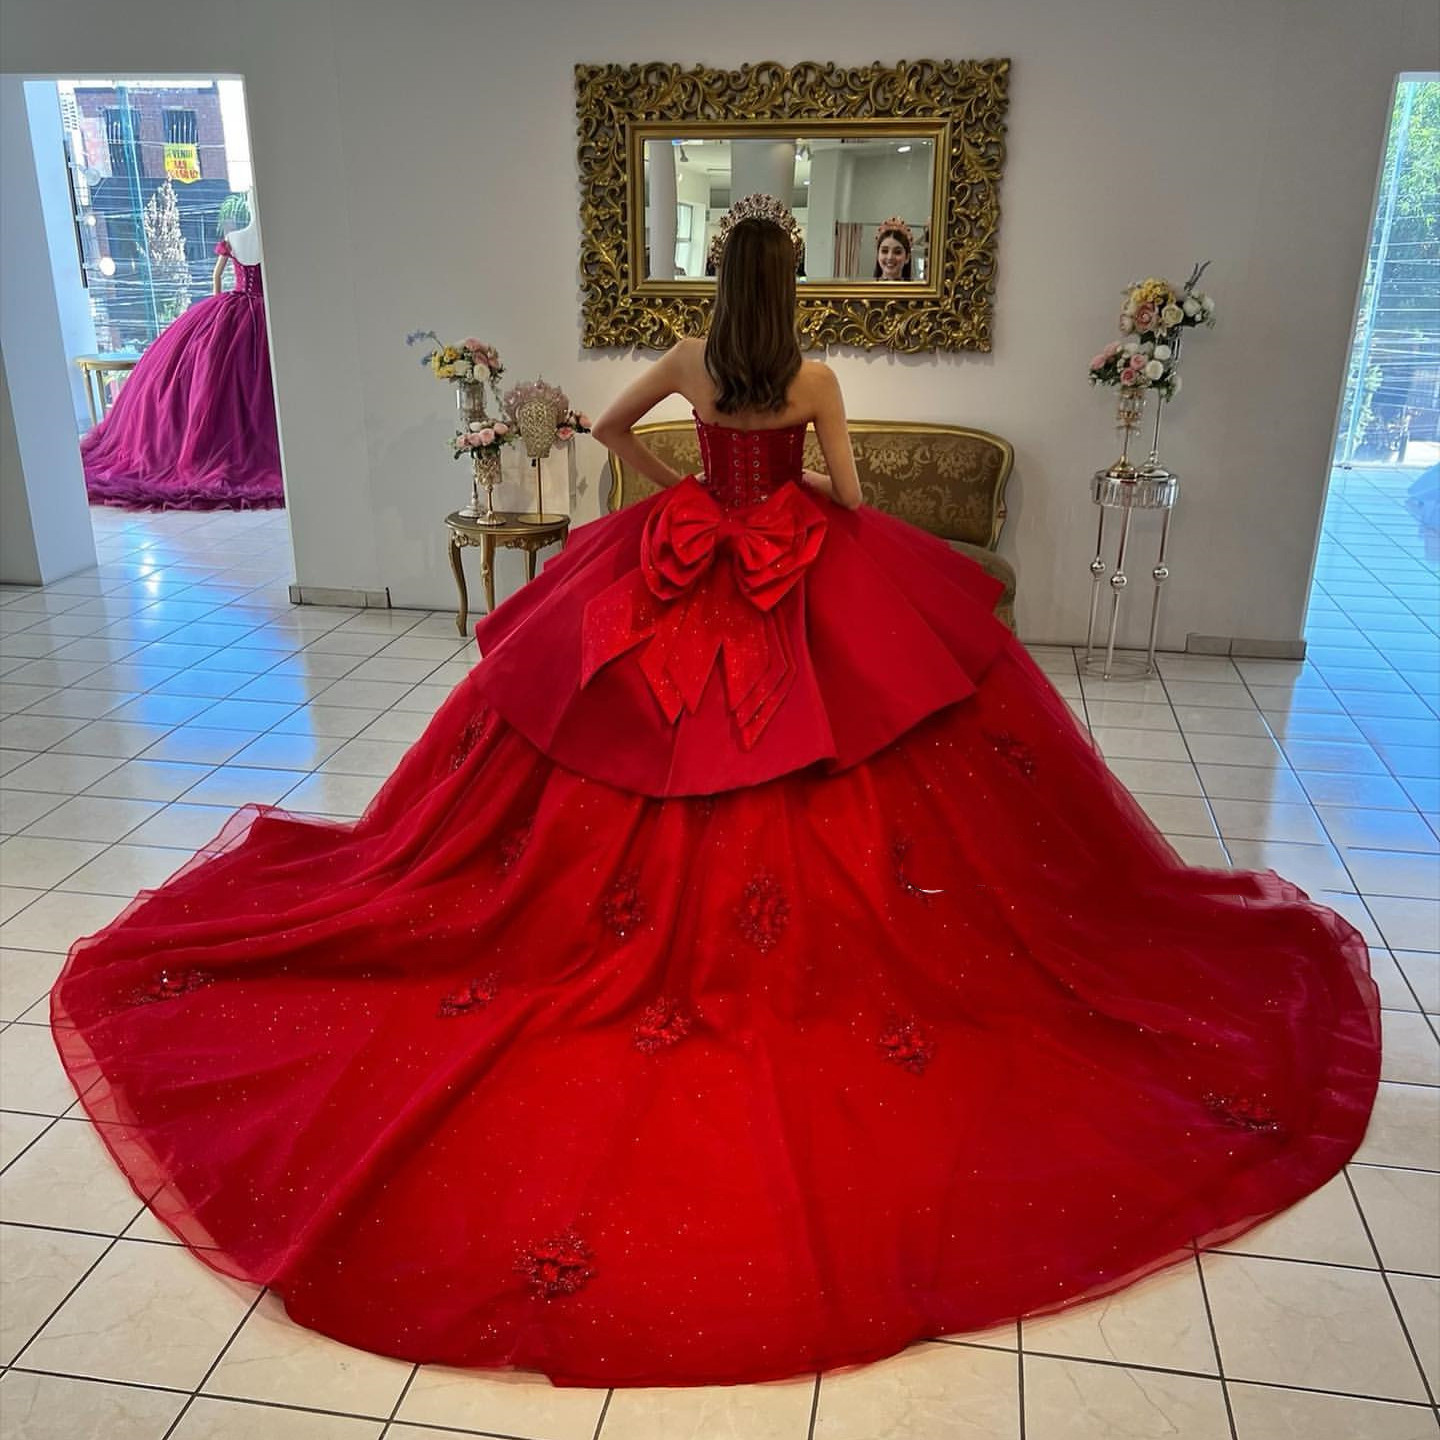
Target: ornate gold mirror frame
[{"x": 961, "y": 103}]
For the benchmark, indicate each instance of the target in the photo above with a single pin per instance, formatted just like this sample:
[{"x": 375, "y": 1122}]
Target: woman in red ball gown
[{"x": 752, "y": 969}]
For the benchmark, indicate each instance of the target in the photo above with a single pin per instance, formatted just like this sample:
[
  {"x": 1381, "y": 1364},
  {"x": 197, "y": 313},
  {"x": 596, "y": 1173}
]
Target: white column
[
  {"x": 823, "y": 212},
  {"x": 72, "y": 299},
  {"x": 44, "y": 515},
  {"x": 661, "y": 212},
  {"x": 762, "y": 167}
]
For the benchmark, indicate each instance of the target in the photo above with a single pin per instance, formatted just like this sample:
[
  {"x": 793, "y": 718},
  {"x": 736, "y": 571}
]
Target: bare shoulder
[{"x": 817, "y": 379}]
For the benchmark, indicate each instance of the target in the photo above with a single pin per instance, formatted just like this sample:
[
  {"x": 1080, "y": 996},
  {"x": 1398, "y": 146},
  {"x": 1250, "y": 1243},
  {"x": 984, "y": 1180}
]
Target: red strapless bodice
[{"x": 742, "y": 467}]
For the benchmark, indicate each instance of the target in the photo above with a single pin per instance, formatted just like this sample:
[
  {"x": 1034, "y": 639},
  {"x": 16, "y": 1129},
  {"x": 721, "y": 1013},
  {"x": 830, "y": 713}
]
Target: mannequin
[
  {"x": 194, "y": 427},
  {"x": 244, "y": 244}
]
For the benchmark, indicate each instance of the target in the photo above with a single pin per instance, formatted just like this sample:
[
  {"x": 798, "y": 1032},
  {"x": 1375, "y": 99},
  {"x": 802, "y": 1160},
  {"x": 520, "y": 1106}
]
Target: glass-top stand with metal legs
[{"x": 1113, "y": 491}]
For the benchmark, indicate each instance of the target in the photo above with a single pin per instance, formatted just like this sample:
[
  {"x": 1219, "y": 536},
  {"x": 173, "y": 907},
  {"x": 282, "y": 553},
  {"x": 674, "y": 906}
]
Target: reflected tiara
[
  {"x": 757, "y": 207},
  {"x": 897, "y": 224}
]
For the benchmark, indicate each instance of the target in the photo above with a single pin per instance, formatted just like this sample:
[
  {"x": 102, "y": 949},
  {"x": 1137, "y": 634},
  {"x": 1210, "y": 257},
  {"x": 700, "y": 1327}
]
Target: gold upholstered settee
[{"x": 944, "y": 478}]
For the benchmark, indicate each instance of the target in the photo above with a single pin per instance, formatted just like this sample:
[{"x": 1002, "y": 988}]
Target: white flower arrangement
[
  {"x": 1137, "y": 365},
  {"x": 1155, "y": 308},
  {"x": 1152, "y": 317}
]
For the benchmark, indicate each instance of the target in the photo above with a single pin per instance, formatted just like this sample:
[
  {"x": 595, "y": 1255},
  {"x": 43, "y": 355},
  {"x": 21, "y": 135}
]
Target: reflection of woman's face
[{"x": 891, "y": 257}]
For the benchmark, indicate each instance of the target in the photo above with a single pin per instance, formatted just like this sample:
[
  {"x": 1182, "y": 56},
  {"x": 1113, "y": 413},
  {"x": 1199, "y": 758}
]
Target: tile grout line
[
  {"x": 604, "y": 1411},
  {"x": 1215, "y": 1342},
  {"x": 1213, "y": 1376},
  {"x": 180, "y": 1392},
  {"x": 214, "y": 1364},
  {"x": 399, "y": 1401},
  {"x": 64, "y": 1300},
  {"x": 35, "y": 1140},
  {"x": 1020, "y": 1374},
  {"x": 1389, "y": 1288}
]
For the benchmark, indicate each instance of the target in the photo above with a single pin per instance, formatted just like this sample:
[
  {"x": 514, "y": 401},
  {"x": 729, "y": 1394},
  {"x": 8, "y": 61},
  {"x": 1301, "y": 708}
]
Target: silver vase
[{"x": 1152, "y": 469}]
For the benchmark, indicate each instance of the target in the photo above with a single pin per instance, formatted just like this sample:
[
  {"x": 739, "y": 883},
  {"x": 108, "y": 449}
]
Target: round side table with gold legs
[{"x": 530, "y": 533}]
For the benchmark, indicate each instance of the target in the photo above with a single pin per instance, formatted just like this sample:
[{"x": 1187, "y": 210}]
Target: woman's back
[{"x": 700, "y": 390}]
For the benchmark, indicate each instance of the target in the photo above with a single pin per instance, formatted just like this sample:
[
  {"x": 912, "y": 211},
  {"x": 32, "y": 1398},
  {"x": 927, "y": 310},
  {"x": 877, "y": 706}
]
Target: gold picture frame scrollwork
[{"x": 962, "y": 103}]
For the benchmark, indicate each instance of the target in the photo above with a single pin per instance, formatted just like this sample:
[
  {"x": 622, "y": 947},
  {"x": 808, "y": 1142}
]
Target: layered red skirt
[{"x": 616, "y": 1048}]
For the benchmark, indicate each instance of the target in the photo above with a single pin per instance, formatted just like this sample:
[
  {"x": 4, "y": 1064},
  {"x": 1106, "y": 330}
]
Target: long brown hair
[
  {"x": 899, "y": 235},
  {"x": 752, "y": 352}
]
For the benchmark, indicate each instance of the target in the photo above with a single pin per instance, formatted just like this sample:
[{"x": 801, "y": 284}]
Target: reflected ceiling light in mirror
[{"x": 903, "y": 149}]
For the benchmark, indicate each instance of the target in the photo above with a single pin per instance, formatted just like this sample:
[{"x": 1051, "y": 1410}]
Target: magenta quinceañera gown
[
  {"x": 193, "y": 428},
  {"x": 753, "y": 968}
]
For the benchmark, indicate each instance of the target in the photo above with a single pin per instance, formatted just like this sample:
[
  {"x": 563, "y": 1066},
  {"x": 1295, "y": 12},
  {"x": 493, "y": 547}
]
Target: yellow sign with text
[{"x": 182, "y": 163}]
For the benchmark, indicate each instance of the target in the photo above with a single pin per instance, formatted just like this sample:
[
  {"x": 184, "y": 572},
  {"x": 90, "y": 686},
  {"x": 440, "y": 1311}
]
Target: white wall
[
  {"x": 19, "y": 552},
  {"x": 894, "y": 184},
  {"x": 416, "y": 168},
  {"x": 72, "y": 299},
  {"x": 693, "y": 188},
  {"x": 42, "y": 491}
]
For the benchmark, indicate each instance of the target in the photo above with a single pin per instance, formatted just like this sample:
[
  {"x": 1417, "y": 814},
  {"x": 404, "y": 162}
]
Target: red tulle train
[{"x": 666, "y": 1082}]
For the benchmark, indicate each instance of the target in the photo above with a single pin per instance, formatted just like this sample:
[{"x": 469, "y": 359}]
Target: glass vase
[
  {"x": 485, "y": 478},
  {"x": 1128, "y": 410},
  {"x": 1152, "y": 469},
  {"x": 470, "y": 401}
]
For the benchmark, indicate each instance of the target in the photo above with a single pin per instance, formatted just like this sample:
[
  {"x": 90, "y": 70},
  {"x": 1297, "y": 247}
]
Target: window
[
  {"x": 181, "y": 127},
  {"x": 150, "y": 206},
  {"x": 1390, "y": 414},
  {"x": 120, "y": 143}
]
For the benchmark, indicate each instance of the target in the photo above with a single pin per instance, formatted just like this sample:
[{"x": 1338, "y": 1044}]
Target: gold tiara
[
  {"x": 757, "y": 207},
  {"x": 897, "y": 224}
]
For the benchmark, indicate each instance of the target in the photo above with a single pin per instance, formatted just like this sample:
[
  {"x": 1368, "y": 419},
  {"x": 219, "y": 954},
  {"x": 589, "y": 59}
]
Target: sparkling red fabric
[{"x": 636, "y": 1058}]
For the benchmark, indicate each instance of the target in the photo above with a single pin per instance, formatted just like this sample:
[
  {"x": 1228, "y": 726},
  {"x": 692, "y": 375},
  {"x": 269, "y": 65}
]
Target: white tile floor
[{"x": 143, "y": 700}]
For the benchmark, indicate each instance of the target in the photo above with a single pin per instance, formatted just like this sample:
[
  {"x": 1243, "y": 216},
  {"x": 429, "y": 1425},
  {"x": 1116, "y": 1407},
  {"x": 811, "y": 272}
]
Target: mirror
[
  {"x": 841, "y": 188},
  {"x": 664, "y": 149}
]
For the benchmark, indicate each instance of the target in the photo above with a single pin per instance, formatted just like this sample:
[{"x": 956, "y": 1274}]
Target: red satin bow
[{"x": 691, "y": 608}]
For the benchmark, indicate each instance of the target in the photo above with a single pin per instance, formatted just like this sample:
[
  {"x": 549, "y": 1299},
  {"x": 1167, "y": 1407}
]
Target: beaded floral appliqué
[
  {"x": 662, "y": 1023},
  {"x": 559, "y": 1266},
  {"x": 900, "y": 850},
  {"x": 170, "y": 985},
  {"x": 622, "y": 909},
  {"x": 1013, "y": 751},
  {"x": 1241, "y": 1112},
  {"x": 472, "y": 995},
  {"x": 763, "y": 912},
  {"x": 906, "y": 1044},
  {"x": 469, "y": 738}
]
